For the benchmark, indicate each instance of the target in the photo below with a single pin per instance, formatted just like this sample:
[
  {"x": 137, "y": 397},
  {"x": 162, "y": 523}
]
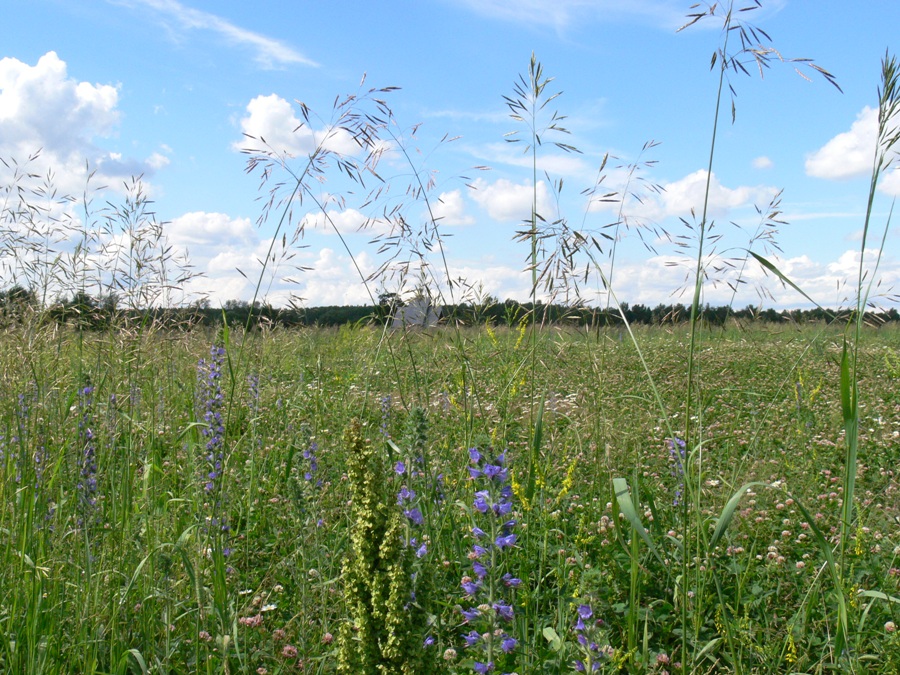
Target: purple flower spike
[
  {"x": 471, "y": 614},
  {"x": 504, "y": 542},
  {"x": 414, "y": 515},
  {"x": 474, "y": 455},
  {"x": 511, "y": 581},
  {"x": 470, "y": 587},
  {"x": 504, "y": 611}
]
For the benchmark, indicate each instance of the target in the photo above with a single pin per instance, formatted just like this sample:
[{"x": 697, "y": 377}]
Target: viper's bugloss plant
[
  {"x": 490, "y": 587},
  {"x": 593, "y": 651},
  {"x": 87, "y": 462},
  {"x": 211, "y": 402},
  {"x": 384, "y": 632}
]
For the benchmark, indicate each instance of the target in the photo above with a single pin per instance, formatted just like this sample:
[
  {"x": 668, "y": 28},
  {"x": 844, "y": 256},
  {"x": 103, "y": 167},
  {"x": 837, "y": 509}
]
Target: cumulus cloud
[
  {"x": 272, "y": 119},
  {"x": 678, "y": 198},
  {"x": 214, "y": 230},
  {"x": 890, "y": 183},
  {"x": 43, "y": 108},
  {"x": 268, "y": 51},
  {"x": 830, "y": 282},
  {"x": 450, "y": 209},
  {"x": 229, "y": 251},
  {"x": 762, "y": 163},
  {"x": 506, "y": 201},
  {"x": 850, "y": 153},
  {"x": 347, "y": 221}
]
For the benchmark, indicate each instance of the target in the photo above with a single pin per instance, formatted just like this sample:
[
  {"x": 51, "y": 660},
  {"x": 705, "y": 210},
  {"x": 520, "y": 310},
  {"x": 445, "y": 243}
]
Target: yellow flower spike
[
  {"x": 523, "y": 326},
  {"x": 791, "y": 656},
  {"x": 490, "y": 331},
  {"x": 519, "y": 492}
]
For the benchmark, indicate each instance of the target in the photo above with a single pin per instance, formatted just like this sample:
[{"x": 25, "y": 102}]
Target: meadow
[
  {"x": 534, "y": 497},
  {"x": 172, "y": 509}
]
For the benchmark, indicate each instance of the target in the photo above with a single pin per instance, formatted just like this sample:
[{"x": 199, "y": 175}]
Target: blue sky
[{"x": 166, "y": 89}]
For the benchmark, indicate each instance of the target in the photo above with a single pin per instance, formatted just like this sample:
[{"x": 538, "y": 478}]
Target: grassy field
[
  {"x": 465, "y": 499},
  {"x": 189, "y": 502}
]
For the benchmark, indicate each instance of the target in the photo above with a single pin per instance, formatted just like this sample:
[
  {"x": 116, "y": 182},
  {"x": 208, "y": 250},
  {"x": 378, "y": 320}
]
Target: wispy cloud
[
  {"x": 563, "y": 13},
  {"x": 270, "y": 53}
]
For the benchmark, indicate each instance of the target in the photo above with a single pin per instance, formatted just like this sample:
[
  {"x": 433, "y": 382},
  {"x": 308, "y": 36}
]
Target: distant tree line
[{"x": 85, "y": 311}]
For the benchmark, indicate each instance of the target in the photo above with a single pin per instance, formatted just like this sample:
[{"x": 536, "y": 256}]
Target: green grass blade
[
  {"x": 536, "y": 441},
  {"x": 626, "y": 506},
  {"x": 727, "y": 514},
  {"x": 878, "y": 595},
  {"x": 843, "y": 623},
  {"x": 846, "y": 385},
  {"x": 774, "y": 270}
]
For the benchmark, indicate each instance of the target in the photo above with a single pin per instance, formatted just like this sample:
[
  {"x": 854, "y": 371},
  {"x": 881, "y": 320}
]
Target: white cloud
[
  {"x": 450, "y": 209},
  {"x": 506, "y": 201},
  {"x": 679, "y": 197},
  {"x": 269, "y": 51},
  {"x": 563, "y": 13},
  {"x": 762, "y": 163},
  {"x": 43, "y": 108},
  {"x": 333, "y": 279},
  {"x": 850, "y": 153},
  {"x": 42, "y": 103},
  {"x": 553, "y": 163},
  {"x": 831, "y": 283},
  {"x": 221, "y": 245},
  {"x": 890, "y": 183},
  {"x": 211, "y": 229},
  {"x": 348, "y": 221},
  {"x": 272, "y": 119},
  {"x": 229, "y": 253}
]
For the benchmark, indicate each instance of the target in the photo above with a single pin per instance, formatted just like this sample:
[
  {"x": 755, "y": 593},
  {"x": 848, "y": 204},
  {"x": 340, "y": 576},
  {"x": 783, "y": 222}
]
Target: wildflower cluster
[
  {"x": 87, "y": 463},
  {"x": 588, "y": 636},
  {"x": 211, "y": 402},
  {"x": 407, "y": 499},
  {"x": 489, "y": 587},
  {"x": 312, "y": 463},
  {"x": 209, "y": 374}
]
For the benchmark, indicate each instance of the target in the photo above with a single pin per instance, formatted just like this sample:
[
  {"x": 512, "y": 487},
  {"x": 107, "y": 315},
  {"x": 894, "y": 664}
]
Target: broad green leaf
[{"x": 553, "y": 638}]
